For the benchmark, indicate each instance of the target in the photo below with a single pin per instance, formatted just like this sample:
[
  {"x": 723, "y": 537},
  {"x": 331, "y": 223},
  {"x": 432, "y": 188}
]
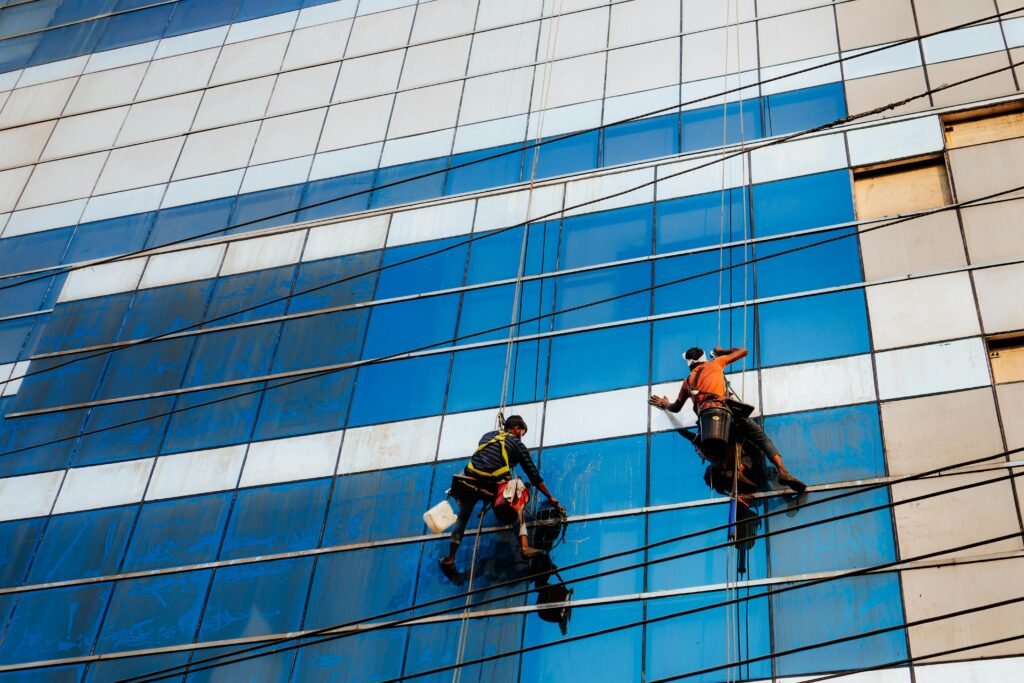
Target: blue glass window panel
[
  {"x": 677, "y": 472},
  {"x": 485, "y": 309},
  {"x": 337, "y": 196},
  {"x": 673, "y": 336},
  {"x": 27, "y": 17},
  {"x": 106, "y": 238},
  {"x": 233, "y": 354},
  {"x": 178, "y": 532},
  {"x": 803, "y": 270},
  {"x": 162, "y": 309},
  {"x": 68, "y": 41},
  {"x": 498, "y": 561},
  {"x": 74, "y": 10},
  {"x": 54, "y": 384},
  {"x": 477, "y": 375},
  {"x": 24, "y": 294},
  {"x": 789, "y": 112},
  {"x": 599, "y": 360},
  {"x": 814, "y": 327},
  {"x": 198, "y": 15},
  {"x": 37, "y": 250},
  {"x": 84, "y": 323},
  {"x": 607, "y": 236},
  {"x": 370, "y": 657},
  {"x": 563, "y": 156},
  {"x": 146, "y": 368},
  {"x": 322, "y": 340},
  {"x": 422, "y": 382},
  {"x": 827, "y": 611},
  {"x": 254, "y": 599},
  {"x": 504, "y": 170},
  {"x": 810, "y": 201},
  {"x": 111, "y": 443},
  {"x": 437, "y": 645},
  {"x": 13, "y": 334},
  {"x": 266, "y": 669},
  {"x": 314, "y": 404},
  {"x": 19, "y": 539},
  {"x": 702, "y": 637},
  {"x": 703, "y": 128},
  {"x": 237, "y": 293},
  {"x": 400, "y": 190},
  {"x": 257, "y": 210},
  {"x": 54, "y": 623},
  {"x": 356, "y": 514},
  {"x": 581, "y": 289},
  {"x": 57, "y": 283},
  {"x": 702, "y": 568},
  {"x": 643, "y": 139},
  {"x": 154, "y": 611},
  {"x": 536, "y": 306},
  {"x": 701, "y": 280},
  {"x": 133, "y": 28},
  {"x": 377, "y": 580},
  {"x": 83, "y": 544},
  {"x": 53, "y": 674},
  {"x": 276, "y": 519},
  {"x": 697, "y": 221},
  {"x": 615, "y": 656},
  {"x": 832, "y": 445},
  {"x": 16, "y": 52},
  {"x": 495, "y": 255},
  {"x": 443, "y": 270},
  {"x": 600, "y": 476},
  {"x": 21, "y": 440},
  {"x": 254, "y": 9},
  {"x": 317, "y": 274},
  {"x": 113, "y": 670},
  {"x": 219, "y": 420},
  {"x": 592, "y": 539},
  {"x": 183, "y": 223},
  {"x": 412, "y": 325}
]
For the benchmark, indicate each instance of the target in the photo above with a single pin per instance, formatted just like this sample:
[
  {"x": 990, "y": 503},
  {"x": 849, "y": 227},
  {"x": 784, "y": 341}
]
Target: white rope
[
  {"x": 721, "y": 210},
  {"x": 744, "y": 216},
  {"x": 460, "y": 651}
]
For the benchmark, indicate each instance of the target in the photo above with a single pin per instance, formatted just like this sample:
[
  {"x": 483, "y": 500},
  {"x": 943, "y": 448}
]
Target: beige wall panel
[
  {"x": 922, "y": 245},
  {"x": 178, "y": 74},
  {"x": 934, "y": 591},
  {"x": 572, "y": 80},
  {"x": 317, "y": 44},
  {"x": 425, "y": 109},
  {"x": 435, "y": 62},
  {"x": 164, "y": 117},
  {"x": 1016, "y": 57},
  {"x": 23, "y": 145},
  {"x": 644, "y": 67},
  {"x": 959, "y": 69},
  {"x": 12, "y": 182},
  {"x": 705, "y": 55},
  {"x": 986, "y": 169},
  {"x": 993, "y": 232},
  {"x": 640, "y": 20},
  {"x": 922, "y": 310},
  {"x": 873, "y": 22},
  {"x": 36, "y": 102},
  {"x": 934, "y": 15},
  {"x": 901, "y": 191},
  {"x": 59, "y": 181},
  {"x": 234, "y": 103},
  {"x": 701, "y": 14},
  {"x": 380, "y": 31},
  {"x": 284, "y": 137},
  {"x": 797, "y": 36},
  {"x": 106, "y": 89},
  {"x": 443, "y": 18},
  {"x": 250, "y": 59},
  {"x": 303, "y": 89},
  {"x": 865, "y": 94},
  {"x": 1011, "y": 406},
  {"x": 1001, "y": 298},
  {"x": 924, "y": 433},
  {"x": 139, "y": 165},
  {"x": 84, "y": 133}
]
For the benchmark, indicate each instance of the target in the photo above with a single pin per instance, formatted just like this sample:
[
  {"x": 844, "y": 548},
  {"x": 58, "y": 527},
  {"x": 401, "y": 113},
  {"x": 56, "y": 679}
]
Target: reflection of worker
[
  {"x": 492, "y": 463},
  {"x": 707, "y": 387}
]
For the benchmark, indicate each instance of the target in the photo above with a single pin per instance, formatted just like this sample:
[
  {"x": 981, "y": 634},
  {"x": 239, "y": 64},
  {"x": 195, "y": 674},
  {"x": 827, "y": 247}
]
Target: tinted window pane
[
  {"x": 643, "y": 139},
  {"x": 68, "y": 42},
  {"x": 560, "y": 157},
  {"x": 197, "y": 15},
  {"x": 276, "y": 519},
  {"x": 145, "y": 368},
  {"x": 154, "y": 611},
  {"x": 83, "y": 544},
  {"x": 238, "y": 293},
  {"x": 606, "y": 236},
  {"x": 314, "y": 404},
  {"x": 357, "y": 515},
  {"x": 703, "y": 128},
  {"x": 377, "y": 580},
  {"x": 55, "y": 623},
  {"x": 422, "y": 273},
  {"x": 253, "y": 599},
  {"x": 257, "y": 210},
  {"x": 83, "y": 323},
  {"x": 19, "y": 539},
  {"x": 825, "y": 326},
  {"x": 697, "y": 221},
  {"x": 401, "y": 190},
  {"x": 800, "y": 203},
  {"x": 165, "y": 309},
  {"x": 703, "y": 279},
  {"x": 106, "y": 238},
  {"x": 421, "y": 381},
  {"x": 186, "y": 222},
  {"x": 504, "y": 170},
  {"x": 232, "y": 354},
  {"x": 583, "y": 289},
  {"x": 802, "y": 109},
  {"x": 600, "y": 476},
  {"x": 337, "y": 196},
  {"x": 217, "y": 420},
  {"x": 316, "y": 274},
  {"x": 38, "y": 250},
  {"x": 411, "y": 325},
  {"x": 134, "y": 27},
  {"x": 21, "y": 439},
  {"x": 621, "y": 353},
  {"x": 178, "y": 532},
  {"x": 322, "y": 340},
  {"x": 800, "y": 271}
]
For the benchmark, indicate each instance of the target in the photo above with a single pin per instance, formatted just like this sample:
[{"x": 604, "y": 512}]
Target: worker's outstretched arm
[
  {"x": 732, "y": 355},
  {"x": 671, "y": 406}
]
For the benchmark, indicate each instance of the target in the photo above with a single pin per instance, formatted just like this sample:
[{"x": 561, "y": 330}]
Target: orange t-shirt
[{"x": 708, "y": 379}]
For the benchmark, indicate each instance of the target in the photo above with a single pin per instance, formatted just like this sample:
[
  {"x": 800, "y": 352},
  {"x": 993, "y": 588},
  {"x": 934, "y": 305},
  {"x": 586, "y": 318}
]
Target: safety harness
[{"x": 501, "y": 471}]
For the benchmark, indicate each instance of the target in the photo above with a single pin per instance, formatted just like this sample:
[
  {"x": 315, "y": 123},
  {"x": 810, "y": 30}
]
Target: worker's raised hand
[{"x": 658, "y": 401}]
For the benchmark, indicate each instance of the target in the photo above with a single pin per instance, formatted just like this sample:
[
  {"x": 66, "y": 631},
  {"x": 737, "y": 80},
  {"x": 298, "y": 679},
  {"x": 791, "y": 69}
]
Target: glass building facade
[{"x": 330, "y": 214}]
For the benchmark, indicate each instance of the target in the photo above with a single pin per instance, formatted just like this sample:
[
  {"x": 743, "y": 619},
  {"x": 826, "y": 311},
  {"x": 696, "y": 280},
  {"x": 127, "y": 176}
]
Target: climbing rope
[{"x": 460, "y": 651}]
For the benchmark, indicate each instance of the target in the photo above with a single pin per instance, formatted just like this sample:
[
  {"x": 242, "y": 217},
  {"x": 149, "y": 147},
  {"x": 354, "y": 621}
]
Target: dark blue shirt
[{"x": 489, "y": 459}]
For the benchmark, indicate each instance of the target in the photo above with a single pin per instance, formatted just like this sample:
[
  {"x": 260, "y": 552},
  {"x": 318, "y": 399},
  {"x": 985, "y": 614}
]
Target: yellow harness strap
[{"x": 499, "y": 438}]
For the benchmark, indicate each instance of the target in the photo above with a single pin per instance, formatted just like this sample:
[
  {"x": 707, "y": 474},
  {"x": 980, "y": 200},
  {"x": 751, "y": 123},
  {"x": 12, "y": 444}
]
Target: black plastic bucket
[{"x": 715, "y": 426}]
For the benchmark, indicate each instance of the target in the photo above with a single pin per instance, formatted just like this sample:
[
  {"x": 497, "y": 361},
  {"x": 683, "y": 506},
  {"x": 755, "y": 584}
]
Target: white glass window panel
[
  {"x": 347, "y": 237},
  {"x": 895, "y": 140},
  {"x": 570, "y": 420},
  {"x": 496, "y": 96},
  {"x": 821, "y": 384},
  {"x": 779, "y": 79},
  {"x": 700, "y": 14},
  {"x": 261, "y": 253},
  {"x": 425, "y": 109},
  {"x": 372, "y": 6},
  {"x": 106, "y": 89},
  {"x": 443, "y": 18},
  {"x": 564, "y": 120},
  {"x": 644, "y": 67},
  {"x": 1009, "y": 669},
  {"x": 356, "y": 123},
  {"x": 31, "y": 495},
  {"x": 504, "y": 48},
  {"x": 576, "y": 34},
  {"x": 510, "y": 208},
  {"x": 177, "y": 74},
  {"x": 572, "y": 80},
  {"x": 18, "y": 372},
  {"x": 798, "y": 157},
  {"x": 123, "y": 56},
  {"x": 12, "y": 182},
  {"x": 300, "y": 457},
  {"x": 435, "y": 62},
  {"x": 745, "y": 383},
  {"x": 303, "y": 89},
  {"x": 410, "y": 442},
  {"x": 160, "y": 118},
  {"x": 858, "y": 63},
  {"x": 999, "y": 297},
  {"x": 89, "y": 488},
  {"x": 1013, "y": 29},
  {"x": 493, "y": 13},
  {"x": 342, "y": 161},
  {"x": 922, "y": 310},
  {"x": 431, "y": 223},
  {"x": 329, "y": 12},
  {"x": 265, "y": 26},
  {"x": 101, "y": 207},
  {"x": 317, "y": 45},
  {"x": 490, "y": 134},
  {"x": 797, "y": 36},
  {"x": 698, "y": 176},
  {"x": 709, "y": 54},
  {"x": 250, "y": 59},
  {"x": 417, "y": 147},
  {"x": 216, "y": 150},
  {"x": 461, "y": 432},
  {"x": 642, "y": 20},
  {"x": 4, "y": 217},
  {"x": 6, "y": 371},
  {"x": 10, "y": 79},
  {"x": 139, "y": 165},
  {"x": 44, "y": 218},
  {"x": 200, "y": 189},
  {"x": 593, "y": 189},
  {"x": 932, "y": 369},
  {"x": 59, "y": 181},
  {"x": 36, "y": 102},
  {"x": 189, "y": 474},
  {"x": 103, "y": 279},
  {"x": 192, "y": 42},
  {"x": 966, "y": 42},
  {"x": 627, "y": 106},
  {"x": 709, "y": 92},
  {"x": 183, "y": 266},
  {"x": 376, "y": 32},
  {"x": 24, "y": 144},
  {"x": 277, "y": 174},
  {"x": 885, "y": 676},
  {"x": 54, "y": 71},
  {"x": 85, "y": 133},
  {"x": 282, "y": 137},
  {"x": 234, "y": 103},
  {"x": 367, "y": 76}
]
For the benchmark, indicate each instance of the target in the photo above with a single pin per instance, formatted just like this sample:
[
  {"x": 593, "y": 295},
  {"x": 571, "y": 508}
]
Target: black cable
[
  {"x": 57, "y": 270},
  {"x": 788, "y": 511}
]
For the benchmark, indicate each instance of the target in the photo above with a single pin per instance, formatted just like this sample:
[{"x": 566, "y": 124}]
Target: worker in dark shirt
[{"x": 490, "y": 467}]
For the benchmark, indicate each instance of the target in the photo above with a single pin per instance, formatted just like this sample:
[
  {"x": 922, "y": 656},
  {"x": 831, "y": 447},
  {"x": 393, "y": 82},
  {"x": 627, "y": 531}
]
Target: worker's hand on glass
[{"x": 659, "y": 401}]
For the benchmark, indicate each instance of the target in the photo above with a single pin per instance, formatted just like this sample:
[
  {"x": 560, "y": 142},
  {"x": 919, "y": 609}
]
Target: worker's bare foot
[
  {"x": 530, "y": 553},
  {"x": 792, "y": 482},
  {"x": 449, "y": 570}
]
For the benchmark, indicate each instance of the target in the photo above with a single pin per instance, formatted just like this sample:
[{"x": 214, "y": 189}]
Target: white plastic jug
[{"x": 440, "y": 517}]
